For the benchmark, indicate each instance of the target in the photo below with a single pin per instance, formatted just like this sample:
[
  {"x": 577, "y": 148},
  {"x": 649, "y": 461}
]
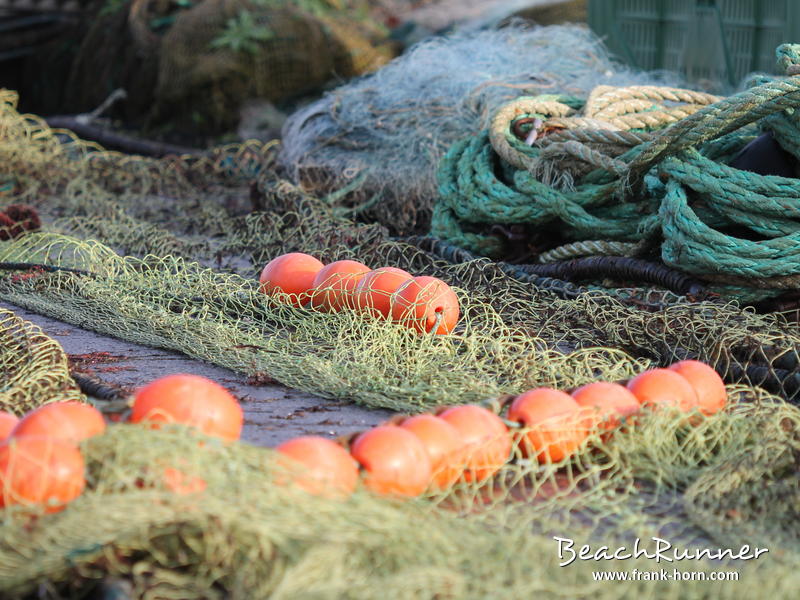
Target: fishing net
[
  {"x": 166, "y": 252},
  {"x": 377, "y": 141},
  {"x": 228, "y": 526},
  {"x": 193, "y": 65},
  {"x": 33, "y": 367}
]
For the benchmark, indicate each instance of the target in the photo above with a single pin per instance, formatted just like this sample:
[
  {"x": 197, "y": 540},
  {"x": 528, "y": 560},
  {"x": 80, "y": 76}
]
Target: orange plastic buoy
[
  {"x": 663, "y": 388},
  {"x": 613, "y": 402},
  {"x": 189, "y": 400},
  {"x": 40, "y": 471},
  {"x": 68, "y": 421},
  {"x": 420, "y": 302},
  {"x": 291, "y": 274},
  {"x": 558, "y": 424},
  {"x": 487, "y": 444},
  {"x": 7, "y": 423},
  {"x": 708, "y": 385},
  {"x": 319, "y": 466},
  {"x": 444, "y": 445},
  {"x": 395, "y": 461},
  {"x": 332, "y": 288},
  {"x": 373, "y": 293}
]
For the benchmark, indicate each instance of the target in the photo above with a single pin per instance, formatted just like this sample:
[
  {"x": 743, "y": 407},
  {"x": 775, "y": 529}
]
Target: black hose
[{"x": 619, "y": 267}]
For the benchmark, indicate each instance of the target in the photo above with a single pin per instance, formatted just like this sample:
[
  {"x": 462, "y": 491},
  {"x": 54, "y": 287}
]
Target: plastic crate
[{"x": 713, "y": 41}]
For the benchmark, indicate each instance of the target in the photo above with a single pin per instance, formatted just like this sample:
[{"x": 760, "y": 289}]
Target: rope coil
[{"x": 631, "y": 163}]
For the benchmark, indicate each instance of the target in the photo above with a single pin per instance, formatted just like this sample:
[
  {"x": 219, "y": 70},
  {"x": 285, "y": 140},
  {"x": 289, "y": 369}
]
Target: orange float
[
  {"x": 487, "y": 444},
  {"x": 395, "y": 461},
  {"x": 7, "y": 423},
  {"x": 68, "y": 421},
  {"x": 373, "y": 293},
  {"x": 319, "y": 466},
  {"x": 189, "y": 400},
  {"x": 443, "y": 443},
  {"x": 291, "y": 274},
  {"x": 558, "y": 424},
  {"x": 612, "y": 401},
  {"x": 708, "y": 385},
  {"x": 40, "y": 471},
  {"x": 182, "y": 484},
  {"x": 663, "y": 388},
  {"x": 422, "y": 302},
  {"x": 332, "y": 288}
]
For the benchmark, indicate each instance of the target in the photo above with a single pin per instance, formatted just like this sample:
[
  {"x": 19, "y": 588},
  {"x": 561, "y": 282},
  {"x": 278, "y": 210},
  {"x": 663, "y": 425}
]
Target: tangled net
[
  {"x": 193, "y": 66},
  {"x": 374, "y": 144},
  {"x": 166, "y": 252}
]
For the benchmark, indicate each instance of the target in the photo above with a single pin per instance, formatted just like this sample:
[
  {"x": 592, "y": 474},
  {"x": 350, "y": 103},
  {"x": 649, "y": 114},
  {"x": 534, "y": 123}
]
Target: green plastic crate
[{"x": 715, "y": 42}]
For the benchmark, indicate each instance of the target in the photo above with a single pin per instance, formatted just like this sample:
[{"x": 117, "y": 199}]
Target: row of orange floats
[
  {"x": 422, "y": 303},
  {"x": 431, "y": 452},
  {"x": 41, "y": 463}
]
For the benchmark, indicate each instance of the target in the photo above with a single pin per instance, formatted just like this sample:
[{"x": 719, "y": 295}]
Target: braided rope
[{"x": 589, "y": 248}]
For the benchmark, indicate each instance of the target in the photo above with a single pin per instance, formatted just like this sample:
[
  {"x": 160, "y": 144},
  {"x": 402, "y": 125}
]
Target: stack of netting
[
  {"x": 376, "y": 141},
  {"x": 166, "y": 253},
  {"x": 33, "y": 367},
  {"x": 194, "y": 64}
]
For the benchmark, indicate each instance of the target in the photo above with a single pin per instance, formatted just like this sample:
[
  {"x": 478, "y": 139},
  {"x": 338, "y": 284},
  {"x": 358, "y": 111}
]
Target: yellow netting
[
  {"x": 166, "y": 252},
  {"x": 33, "y": 367},
  {"x": 245, "y": 537}
]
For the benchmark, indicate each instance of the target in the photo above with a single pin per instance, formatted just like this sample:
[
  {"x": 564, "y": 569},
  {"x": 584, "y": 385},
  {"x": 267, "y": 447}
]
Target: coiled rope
[{"x": 633, "y": 164}]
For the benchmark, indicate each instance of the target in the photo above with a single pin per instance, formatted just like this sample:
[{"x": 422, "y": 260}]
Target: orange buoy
[
  {"x": 373, "y": 293},
  {"x": 189, "y": 400},
  {"x": 319, "y": 466},
  {"x": 291, "y": 274},
  {"x": 663, "y": 388},
  {"x": 708, "y": 385},
  {"x": 422, "y": 302},
  {"x": 444, "y": 446},
  {"x": 332, "y": 288},
  {"x": 395, "y": 461},
  {"x": 487, "y": 444},
  {"x": 68, "y": 421},
  {"x": 557, "y": 424},
  {"x": 7, "y": 423},
  {"x": 42, "y": 471},
  {"x": 613, "y": 402}
]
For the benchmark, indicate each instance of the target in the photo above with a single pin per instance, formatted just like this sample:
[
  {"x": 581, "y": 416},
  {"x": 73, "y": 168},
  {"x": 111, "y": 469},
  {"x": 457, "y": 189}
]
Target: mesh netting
[
  {"x": 193, "y": 66},
  {"x": 378, "y": 140},
  {"x": 33, "y": 367},
  {"x": 167, "y": 252},
  {"x": 246, "y": 535}
]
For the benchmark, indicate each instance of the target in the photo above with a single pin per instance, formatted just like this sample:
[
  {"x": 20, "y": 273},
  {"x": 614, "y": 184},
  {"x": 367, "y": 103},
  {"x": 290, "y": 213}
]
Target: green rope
[{"x": 673, "y": 182}]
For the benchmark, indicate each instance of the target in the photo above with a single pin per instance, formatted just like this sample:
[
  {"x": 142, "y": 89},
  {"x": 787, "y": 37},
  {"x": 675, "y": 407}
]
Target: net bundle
[
  {"x": 193, "y": 66},
  {"x": 33, "y": 367}
]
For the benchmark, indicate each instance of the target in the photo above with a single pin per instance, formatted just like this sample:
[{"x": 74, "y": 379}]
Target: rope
[{"x": 637, "y": 163}]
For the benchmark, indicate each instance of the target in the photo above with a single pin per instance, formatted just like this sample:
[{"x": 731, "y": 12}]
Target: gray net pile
[{"x": 375, "y": 142}]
